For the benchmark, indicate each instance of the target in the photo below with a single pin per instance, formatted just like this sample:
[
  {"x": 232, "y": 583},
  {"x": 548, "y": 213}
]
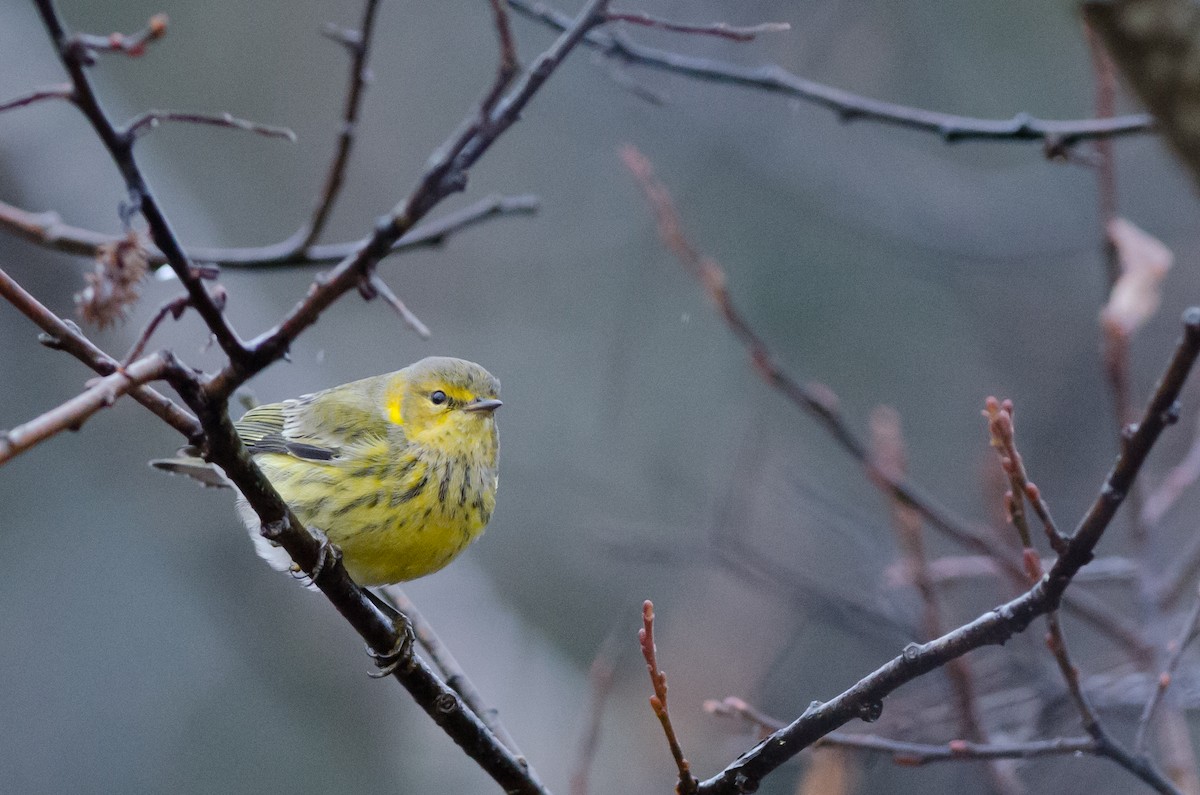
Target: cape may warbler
[{"x": 398, "y": 470}]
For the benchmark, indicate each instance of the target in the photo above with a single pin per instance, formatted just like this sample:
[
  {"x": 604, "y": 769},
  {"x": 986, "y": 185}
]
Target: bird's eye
[{"x": 438, "y": 398}]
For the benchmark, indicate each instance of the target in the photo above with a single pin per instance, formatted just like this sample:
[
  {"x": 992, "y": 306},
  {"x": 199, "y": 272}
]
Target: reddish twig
[
  {"x": 151, "y": 119},
  {"x": 658, "y": 701},
  {"x": 1175, "y": 649},
  {"x": 1000, "y": 426},
  {"x": 1056, "y": 136},
  {"x": 719, "y": 29},
  {"x": 72, "y": 414}
]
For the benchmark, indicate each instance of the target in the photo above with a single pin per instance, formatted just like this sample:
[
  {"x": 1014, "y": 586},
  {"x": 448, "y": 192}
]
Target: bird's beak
[{"x": 489, "y": 404}]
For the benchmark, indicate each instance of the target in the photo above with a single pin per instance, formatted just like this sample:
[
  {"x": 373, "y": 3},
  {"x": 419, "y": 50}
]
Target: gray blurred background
[{"x": 143, "y": 647}]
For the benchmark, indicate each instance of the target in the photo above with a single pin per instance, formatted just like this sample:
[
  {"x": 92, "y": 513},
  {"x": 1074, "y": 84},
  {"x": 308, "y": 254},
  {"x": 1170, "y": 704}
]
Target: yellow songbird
[{"x": 398, "y": 470}]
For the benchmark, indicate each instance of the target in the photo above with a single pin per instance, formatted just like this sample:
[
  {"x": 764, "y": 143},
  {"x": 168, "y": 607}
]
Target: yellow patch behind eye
[{"x": 393, "y": 402}]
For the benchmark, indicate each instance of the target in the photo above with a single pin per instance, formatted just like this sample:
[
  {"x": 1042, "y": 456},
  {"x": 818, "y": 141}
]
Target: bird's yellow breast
[{"x": 396, "y": 512}]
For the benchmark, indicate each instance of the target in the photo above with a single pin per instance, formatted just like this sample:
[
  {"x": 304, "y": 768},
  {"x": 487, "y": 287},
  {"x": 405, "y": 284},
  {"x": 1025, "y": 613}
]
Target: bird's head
[{"x": 447, "y": 404}]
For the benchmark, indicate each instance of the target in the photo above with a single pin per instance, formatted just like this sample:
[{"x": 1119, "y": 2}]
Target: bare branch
[
  {"x": 950, "y": 128},
  {"x": 819, "y": 402},
  {"x": 76, "y": 411},
  {"x": 721, "y": 30},
  {"x": 47, "y": 230},
  {"x": 60, "y": 91},
  {"x": 151, "y": 119},
  {"x": 448, "y": 666},
  {"x": 864, "y": 699},
  {"x": 73, "y": 52},
  {"x": 67, "y": 337},
  {"x": 446, "y": 174}
]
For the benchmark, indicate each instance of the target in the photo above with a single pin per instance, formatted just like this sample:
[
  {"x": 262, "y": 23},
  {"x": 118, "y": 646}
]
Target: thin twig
[
  {"x": 60, "y": 91},
  {"x": 658, "y": 701},
  {"x": 72, "y": 414},
  {"x": 1187, "y": 634},
  {"x": 908, "y": 754},
  {"x": 130, "y": 44},
  {"x": 507, "y": 65},
  {"x": 600, "y": 678},
  {"x": 1057, "y": 135},
  {"x": 1021, "y": 489},
  {"x": 888, "y": 453},
  {"x": 358, "y": 43},
  {"x": 377, "y": 286},
  {"x": 175, "y": 308},
  {"x": 48, "y": 230},
  {"x": 61, "y": 335},
  {"x": 721, "y": 30},
  {"x": 151, "y": 119}
]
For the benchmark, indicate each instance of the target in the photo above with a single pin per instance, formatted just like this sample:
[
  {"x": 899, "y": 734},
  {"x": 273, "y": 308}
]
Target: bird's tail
[{"x": 194, "y": 467}]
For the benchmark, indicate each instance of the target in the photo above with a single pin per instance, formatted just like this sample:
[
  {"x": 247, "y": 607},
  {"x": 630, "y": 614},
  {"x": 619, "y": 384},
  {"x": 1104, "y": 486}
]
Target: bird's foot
[{"x": 401, "y": 653}]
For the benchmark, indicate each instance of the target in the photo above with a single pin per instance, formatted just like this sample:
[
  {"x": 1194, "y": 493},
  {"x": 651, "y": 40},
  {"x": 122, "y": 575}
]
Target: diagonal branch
[
  {"x": 76, "y": 411},
  {"x": 75, "y": 57},
  {"x": 447, "y": 174},
  {"x": 60, "y": 335},
  {"x": 865, "y": 697},
  {"x": 358, "y": 43}
]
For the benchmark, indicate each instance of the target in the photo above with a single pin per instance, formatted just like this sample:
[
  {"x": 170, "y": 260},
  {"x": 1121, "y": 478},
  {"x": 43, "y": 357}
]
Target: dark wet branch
[{"x": 1054, "y": 135}]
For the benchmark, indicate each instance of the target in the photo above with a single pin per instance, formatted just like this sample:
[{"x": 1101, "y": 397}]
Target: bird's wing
[{"x": 315, "y": 427}]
